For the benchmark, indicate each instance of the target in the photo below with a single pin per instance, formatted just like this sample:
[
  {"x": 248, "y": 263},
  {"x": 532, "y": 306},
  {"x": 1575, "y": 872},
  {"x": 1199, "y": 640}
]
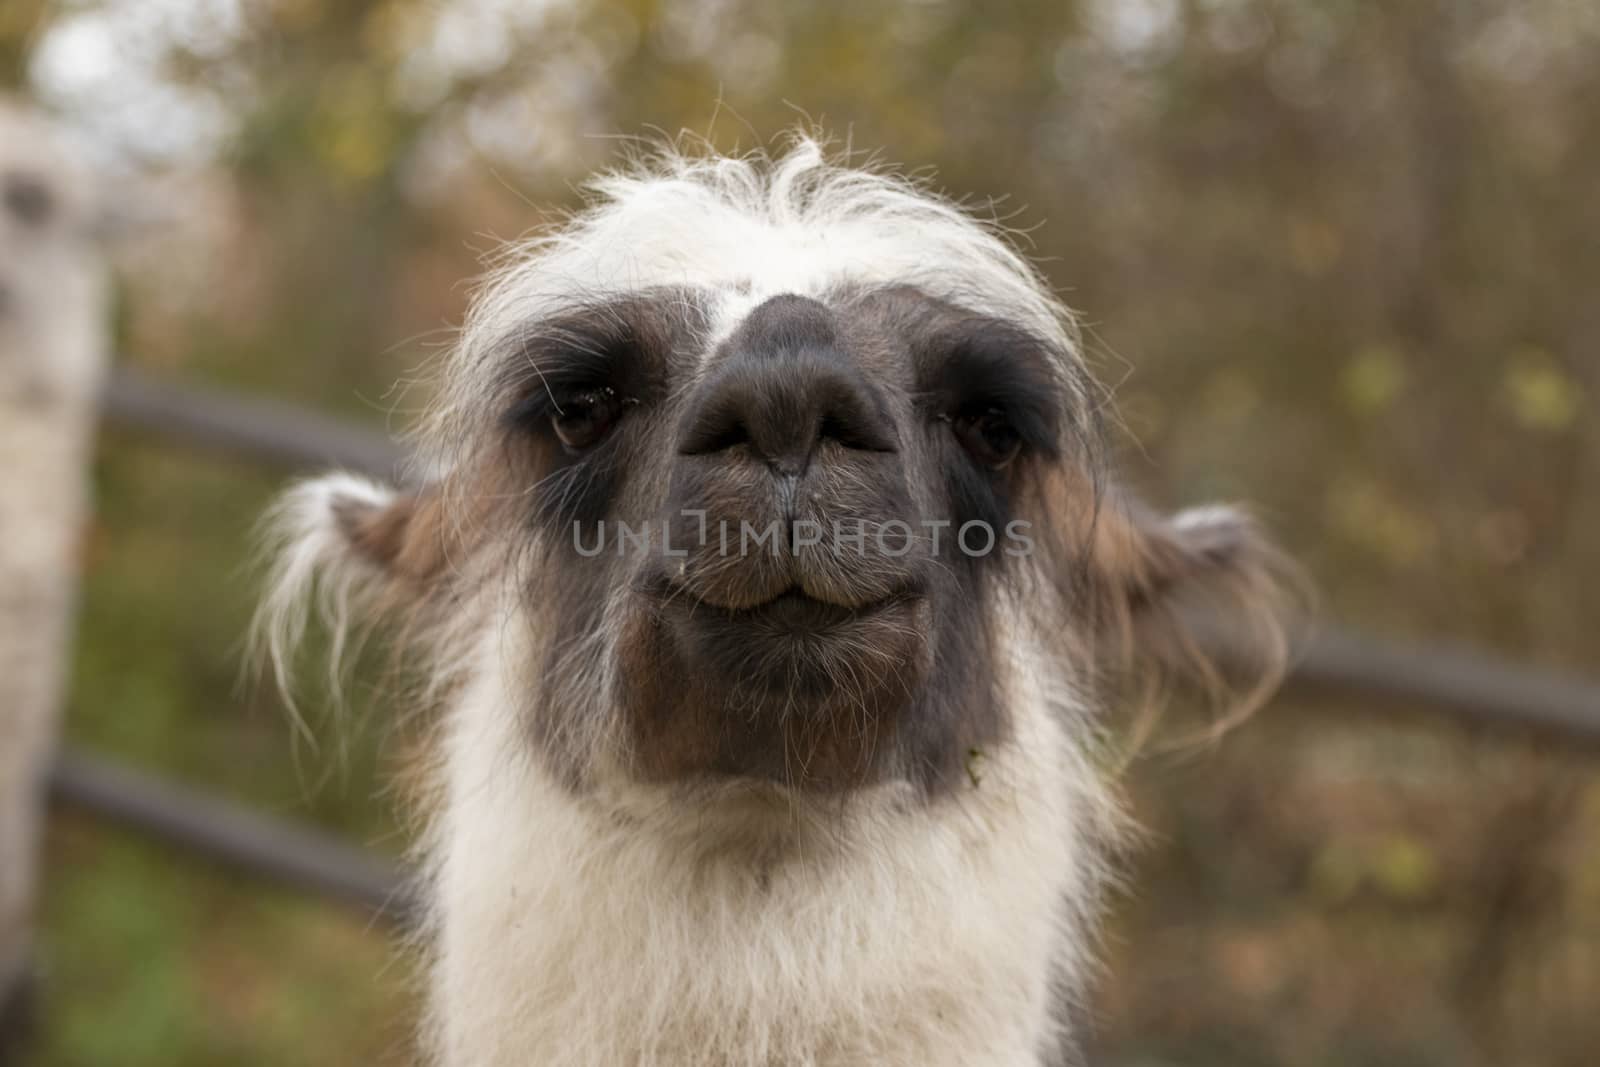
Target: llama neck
[{"x": 570, "y": 933}]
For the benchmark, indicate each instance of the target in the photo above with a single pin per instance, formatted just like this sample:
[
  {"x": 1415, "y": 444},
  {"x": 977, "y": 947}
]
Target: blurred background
[{"x": 1339, "y": 259}]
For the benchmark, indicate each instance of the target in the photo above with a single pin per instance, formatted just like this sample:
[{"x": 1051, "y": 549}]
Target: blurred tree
[{"x": 20, "y": 24}]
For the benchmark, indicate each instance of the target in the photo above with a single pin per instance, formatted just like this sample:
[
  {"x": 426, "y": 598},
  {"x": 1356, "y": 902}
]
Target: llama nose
[{"x": 784, "y": 384}]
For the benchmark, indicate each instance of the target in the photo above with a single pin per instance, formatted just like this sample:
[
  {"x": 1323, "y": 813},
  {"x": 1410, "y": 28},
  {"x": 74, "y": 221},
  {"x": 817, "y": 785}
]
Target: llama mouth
[
  {"x": 796, "y": 645},
  {"x": 792, "y": 612}
]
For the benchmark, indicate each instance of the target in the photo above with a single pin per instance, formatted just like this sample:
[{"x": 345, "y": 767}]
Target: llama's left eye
[
  {"x": 988, "y": 436},
  {"x": 585, "y": 417}
]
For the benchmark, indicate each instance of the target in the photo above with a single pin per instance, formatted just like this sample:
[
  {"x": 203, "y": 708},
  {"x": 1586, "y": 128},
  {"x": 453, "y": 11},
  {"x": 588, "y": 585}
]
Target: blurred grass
[{"x": 154, "y": 960}]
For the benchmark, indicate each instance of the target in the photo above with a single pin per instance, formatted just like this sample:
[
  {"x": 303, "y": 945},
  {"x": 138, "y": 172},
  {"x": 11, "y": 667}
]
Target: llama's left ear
[{"x": 1203, "y": 592}]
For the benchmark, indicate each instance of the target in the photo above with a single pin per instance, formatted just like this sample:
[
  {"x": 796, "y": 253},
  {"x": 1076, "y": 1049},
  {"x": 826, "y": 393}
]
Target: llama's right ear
[
  {"x": 401, "y": 534},
  {"x": 350, "y": 546},
  {"x": 346, "y": 549},
  {"x": 354, "y": 529}
]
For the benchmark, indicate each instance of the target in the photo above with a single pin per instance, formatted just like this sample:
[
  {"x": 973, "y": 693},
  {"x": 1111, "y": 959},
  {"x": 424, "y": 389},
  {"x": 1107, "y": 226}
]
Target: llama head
[
  {"x": 769, "y": 472},
  {"x": 51, "y": 281}
]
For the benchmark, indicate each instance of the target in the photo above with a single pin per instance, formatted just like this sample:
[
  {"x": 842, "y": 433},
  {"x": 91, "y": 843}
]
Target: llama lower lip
[
  {"x": 794, "y": 644},
  {"x": 792, "y": 612}
]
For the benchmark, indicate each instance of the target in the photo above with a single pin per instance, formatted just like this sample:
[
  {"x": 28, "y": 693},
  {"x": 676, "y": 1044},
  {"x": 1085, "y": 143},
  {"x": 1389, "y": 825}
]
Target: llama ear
[
  {"x": 1144, "y": 557},
  {"x": 1202, "y": 592},
  {"x": 402, "y": 534},
  {"x": 348, "y": 532},
  {"x": 347, "y": 551}
]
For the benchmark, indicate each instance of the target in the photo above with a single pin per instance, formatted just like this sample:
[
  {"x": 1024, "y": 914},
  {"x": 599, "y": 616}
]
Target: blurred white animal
[{"x": 52, "y": 352}]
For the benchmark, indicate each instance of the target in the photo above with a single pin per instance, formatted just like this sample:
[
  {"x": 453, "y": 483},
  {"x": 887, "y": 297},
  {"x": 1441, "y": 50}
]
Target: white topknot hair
[{"x": 753, "y": 225}]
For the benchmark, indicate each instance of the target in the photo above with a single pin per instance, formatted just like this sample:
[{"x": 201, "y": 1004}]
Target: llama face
[
  {"x": 798, "y": 524},
  {"x": 755, "y": 473}
]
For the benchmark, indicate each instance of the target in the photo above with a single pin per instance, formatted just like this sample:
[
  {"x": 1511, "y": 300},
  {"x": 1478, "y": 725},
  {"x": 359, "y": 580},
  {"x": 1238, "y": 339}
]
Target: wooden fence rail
[{"x": 229, "y": 835}]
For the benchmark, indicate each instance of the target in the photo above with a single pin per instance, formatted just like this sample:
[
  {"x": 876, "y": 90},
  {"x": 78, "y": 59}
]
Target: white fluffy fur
[
  {"x": 313, "y": 570},
  {"x": 641, "y": 926},
  {"x": 654, "y": 926}
]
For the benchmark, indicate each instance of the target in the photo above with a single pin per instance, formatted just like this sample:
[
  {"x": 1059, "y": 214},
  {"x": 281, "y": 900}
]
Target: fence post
[{"x": 52, "y": 355}]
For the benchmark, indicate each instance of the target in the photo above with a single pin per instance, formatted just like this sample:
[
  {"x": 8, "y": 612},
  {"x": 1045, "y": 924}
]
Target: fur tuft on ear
[
  {"x": 345, "y": 550},
  {"x": 1202, "y": 598}
]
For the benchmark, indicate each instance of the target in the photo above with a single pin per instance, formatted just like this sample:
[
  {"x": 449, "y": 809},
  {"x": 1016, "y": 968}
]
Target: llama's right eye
[{"x": 584, "y": 418}]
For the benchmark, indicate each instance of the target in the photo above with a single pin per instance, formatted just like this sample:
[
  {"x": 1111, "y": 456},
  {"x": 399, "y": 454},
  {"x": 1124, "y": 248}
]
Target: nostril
[
  {"x": 720, "y": 427},
  {"x": 719, "y": 431},
  {"x": 856, "y": 430},
  {"x": 719, "y": 439},
  {"x": 783, "y": 419}
]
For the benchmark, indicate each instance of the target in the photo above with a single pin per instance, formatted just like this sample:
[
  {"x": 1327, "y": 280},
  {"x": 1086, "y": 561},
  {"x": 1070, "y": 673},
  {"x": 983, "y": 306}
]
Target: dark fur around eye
[
  {"x": 562, "y": 391},
  {"x": 569, "y": 360},
  {"x": 997, "y": 387},
  {"x": 568, "y": 385},
  {"x": 574, "y": 385}
]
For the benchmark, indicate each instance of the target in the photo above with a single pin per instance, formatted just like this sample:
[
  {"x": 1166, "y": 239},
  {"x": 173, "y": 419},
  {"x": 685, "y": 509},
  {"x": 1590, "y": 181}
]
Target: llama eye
[
  {"x": 586, "y": 417},
  {"x": 988, "y": 437}
]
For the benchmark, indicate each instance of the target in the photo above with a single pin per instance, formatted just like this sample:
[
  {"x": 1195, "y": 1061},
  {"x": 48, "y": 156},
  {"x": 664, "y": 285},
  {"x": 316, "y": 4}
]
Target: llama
[
  {"x": 53, "y": 317},
  {"x": 767, "y": 578}
]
